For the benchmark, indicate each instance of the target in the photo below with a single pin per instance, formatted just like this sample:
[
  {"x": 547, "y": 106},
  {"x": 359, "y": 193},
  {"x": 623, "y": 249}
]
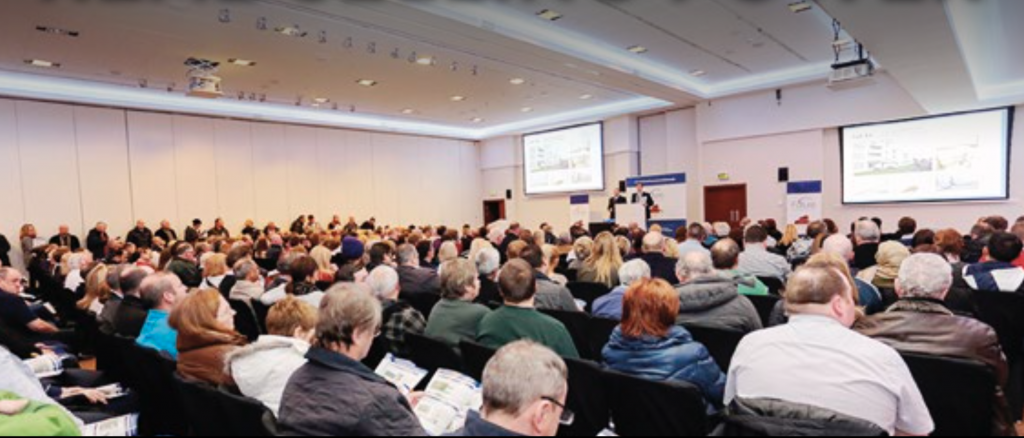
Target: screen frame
[
  {"x": 604, "y": 169},
  {"x": 1011, "y": 116}
]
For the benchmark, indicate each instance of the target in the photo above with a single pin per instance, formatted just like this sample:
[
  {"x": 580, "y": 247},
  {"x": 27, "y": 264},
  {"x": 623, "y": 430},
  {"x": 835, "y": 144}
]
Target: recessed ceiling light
[
  {"x": 408, "y": 111},
  {"x": 517, "y": 81},
  {"x": 367, "y": 82},
  {"x": 639, "y": 50},
  {"x": 322, "y": 100},
  {"x": 58, "y": 31},
  {"x": 477, "y": 120},
  {"x": 527, "y": 110},
  {"x": 42, "y": 63},
  {"x": 458, "y": 98},
  {"x": 242, "y": 62},
  {"x": 801, "y": 6},
  {"x": 699, "y": 73},
  {"x": 587, "y": 96},
  {"x": 292, "y": 31},
  {"x": 425, "y": 61},
  {"x": 550, "y": 15}
]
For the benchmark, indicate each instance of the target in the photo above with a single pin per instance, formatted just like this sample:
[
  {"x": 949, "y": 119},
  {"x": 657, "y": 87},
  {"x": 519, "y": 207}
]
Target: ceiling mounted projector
[{"x": 202, "y": 79}]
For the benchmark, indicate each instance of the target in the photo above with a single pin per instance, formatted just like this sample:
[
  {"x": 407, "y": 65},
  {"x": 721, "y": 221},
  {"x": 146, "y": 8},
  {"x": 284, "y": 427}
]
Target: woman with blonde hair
[
  {"x": 582, "y": 249},
  {"x": 625, "y": 246},
  {"x": 325, "y": 270},
  {"x": 890, "y": 257},
  {"x": 603, "y": 265},
  {"x": 206, "y": 336},
  {"x": 215, "y": 269},
  {"x": 791, "y": 235},
  {"x": 672, "y": 249},
  {"x": 553, "y": 257},
  {"x": 28, "y": 237},
  {"x": 97, "y": 291}
]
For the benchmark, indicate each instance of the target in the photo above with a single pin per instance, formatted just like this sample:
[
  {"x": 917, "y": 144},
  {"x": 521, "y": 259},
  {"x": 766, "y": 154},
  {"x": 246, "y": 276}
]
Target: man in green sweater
[{"x": 519, "y": 320}]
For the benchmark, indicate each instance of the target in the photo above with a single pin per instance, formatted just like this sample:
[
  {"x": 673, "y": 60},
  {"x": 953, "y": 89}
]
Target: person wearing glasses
[
  {"x": 334, "y": 394},
  {"x": 24, "y": 326},
  {"x": 525, "y": 390}
]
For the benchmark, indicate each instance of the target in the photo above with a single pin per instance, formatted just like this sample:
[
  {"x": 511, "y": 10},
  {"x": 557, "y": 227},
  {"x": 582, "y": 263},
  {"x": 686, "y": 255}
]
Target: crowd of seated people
[{"x": 331, "y": 290}]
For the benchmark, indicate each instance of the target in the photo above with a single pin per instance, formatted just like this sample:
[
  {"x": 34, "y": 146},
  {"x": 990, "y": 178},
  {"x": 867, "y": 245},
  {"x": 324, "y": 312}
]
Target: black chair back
[
  {"x": 588, "y": 398},
  {"x": 775, "y": 286},
  {"x": 160, "y": 405},
  {"x": 378, "y": 351},
  {"x": 475, "y": 357},
  {"x": 261, "y": 310},
  {"x": 646, "y": 408},
  {"x": 578, "y": 325},
  {"x": 721, "y": 344},
  {"x": 423, "y": 302},
  {"x": 246, "y": 417},
  {"x": 600, "y": 333},
  {"x": 765, "y": 307},
  {"x": 202, "y": 408},
  {"x": 959, "y": 393},
  {"x": 588, "y": 292},
  {"x": 246, "y": 322},
  {"x": 1003, "y": 312},
  {"x": 432, "y": 355}
]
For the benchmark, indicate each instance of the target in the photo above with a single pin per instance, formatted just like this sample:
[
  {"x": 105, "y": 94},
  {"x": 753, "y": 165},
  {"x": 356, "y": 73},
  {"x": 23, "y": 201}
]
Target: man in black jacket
[
  {"x": 5, "y": 248},
  {"x": 654, "y": 254},
  {"x": 195, "y": 233},
  {"x": 141, "y": 236},
  {"x": 97, "y": 242},
  {"x": 643, "y": 198},
  {"x": 167, "y": 233},
  {"x": 65, "y": 239},
  {"x": 616, "y": 201}
]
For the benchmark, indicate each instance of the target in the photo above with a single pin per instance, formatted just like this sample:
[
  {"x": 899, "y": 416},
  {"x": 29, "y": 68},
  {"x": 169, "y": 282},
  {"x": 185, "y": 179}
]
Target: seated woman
[
  {"x": 97, "y": 291},
  {"x": 206, "y": 336},
  {"x": 335, "y": 394},
  {"x": 215, "y": 269},
  {"x": 262, "y": 370},
  {"x": 650, "y": 345},
  {"x": 603, "y": 265},
  {"x": 456, "y": 318}
]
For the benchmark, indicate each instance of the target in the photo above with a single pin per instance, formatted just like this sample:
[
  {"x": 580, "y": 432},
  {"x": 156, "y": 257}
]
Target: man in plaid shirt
[{"x": 400, "y": 318}]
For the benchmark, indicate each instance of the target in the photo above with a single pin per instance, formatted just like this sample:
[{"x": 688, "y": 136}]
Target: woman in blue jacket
[{"x": 649, "y": 345}]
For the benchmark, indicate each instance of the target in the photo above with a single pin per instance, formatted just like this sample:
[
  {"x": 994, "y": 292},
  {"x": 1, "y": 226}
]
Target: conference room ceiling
[{"x": 515, "y": 70}]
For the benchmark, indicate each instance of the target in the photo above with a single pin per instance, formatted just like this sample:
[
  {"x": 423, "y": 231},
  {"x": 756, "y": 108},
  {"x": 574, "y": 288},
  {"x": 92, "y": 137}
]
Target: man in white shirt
[
  {"x": 695, "y": 237},
  {"x": 757, "y": 261},
  {"x": 817, "y": 360}
]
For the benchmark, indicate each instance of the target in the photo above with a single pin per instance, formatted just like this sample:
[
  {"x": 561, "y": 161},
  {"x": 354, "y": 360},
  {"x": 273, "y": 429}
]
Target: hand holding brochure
[
  {"x": 127, "y": 425},
  {"x": 403, "y": 374},
  {"x": 46, "y": 366},
  {"x": 447, "y": 402}
]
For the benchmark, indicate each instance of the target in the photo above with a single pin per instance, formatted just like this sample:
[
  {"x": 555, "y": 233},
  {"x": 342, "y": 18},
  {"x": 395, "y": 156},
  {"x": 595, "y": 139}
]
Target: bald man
[{"x": 65, "y": 239}]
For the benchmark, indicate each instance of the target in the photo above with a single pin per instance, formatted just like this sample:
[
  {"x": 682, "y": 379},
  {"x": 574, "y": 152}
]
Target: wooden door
[
  {"x": 494, "y": 211},
  {"x": 726, "y": 204}
]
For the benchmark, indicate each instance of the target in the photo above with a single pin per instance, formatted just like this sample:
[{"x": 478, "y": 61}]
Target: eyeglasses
[{"x": 568, "y": 417}]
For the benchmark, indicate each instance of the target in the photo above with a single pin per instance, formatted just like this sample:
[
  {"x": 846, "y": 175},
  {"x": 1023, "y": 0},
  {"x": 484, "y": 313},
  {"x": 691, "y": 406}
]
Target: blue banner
[
  {"x": 579, "y": 199},
  {"x": 805, "y": 187}
]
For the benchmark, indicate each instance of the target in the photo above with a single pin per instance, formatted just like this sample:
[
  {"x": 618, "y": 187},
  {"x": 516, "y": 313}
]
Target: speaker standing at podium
[
  {"x": 645, "y": 199},
  {"x": 616, "y": 200}
]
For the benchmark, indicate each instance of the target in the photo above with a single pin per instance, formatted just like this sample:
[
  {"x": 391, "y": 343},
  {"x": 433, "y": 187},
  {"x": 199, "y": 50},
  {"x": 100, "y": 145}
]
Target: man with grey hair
[
  {"x": 654, "y": 255},
  {"x": 610, "y": 306},
  {"x": 400, "y": 318},
  {"x": 488, "y": 265},
  {"x": 920, "y": 323},
  {"x": 870, "y": 297},
  {"x": 710, "y": 300},
  {"x": 525, "y": 390},
  {"x": 414, "y": 279},
  {"x": 867, "y": 236},
  {"x": 249, "y": 286}
]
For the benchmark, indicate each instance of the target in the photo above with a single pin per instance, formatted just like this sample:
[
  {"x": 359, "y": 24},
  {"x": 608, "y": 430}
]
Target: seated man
[
  {"x": 920, "y": 323},
  {"x": 399, "y": 317},
  {"x": 26, "y": 327},
  {"x": 610, "y": 306},
  {"x": 415, "y": 279},
  {"x": 710, "y": 300},
  {"x": 519, "y": 319},
  {"x": 162, "y": 293},
  {"x": 725, "y": 255},
  {"x": 757, "y": 261},
  {"x": 998, "y": 274},
  {"x": 817, "y": 360},
  {"x": 132, "y": 312},
  {"x": 654, "y": 255},
  {"x": 550, "y": 295},
  {"x": 525, "y": 391}
]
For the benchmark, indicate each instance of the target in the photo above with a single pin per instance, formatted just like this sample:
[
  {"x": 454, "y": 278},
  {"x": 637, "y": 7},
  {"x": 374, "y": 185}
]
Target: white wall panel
[
  {"x": 654, "y": 145},
  {"x": 49, "y": 161},
  {"x": 104, "y": 169},
  {"x": 386, "y": 152},
  {"x": 303, "y": 178},
  {"x": 234, "y": 161},
  {"x": 423, "y": 175},
  {"x": 332, "y": 149},
  {"x": 196, "y": 169},
  {"x": 12, "y": 214},
  {"x": 357, "y": 176},
  {"x": 270, "y": 174},
  {"x": 153, "y": 174}
]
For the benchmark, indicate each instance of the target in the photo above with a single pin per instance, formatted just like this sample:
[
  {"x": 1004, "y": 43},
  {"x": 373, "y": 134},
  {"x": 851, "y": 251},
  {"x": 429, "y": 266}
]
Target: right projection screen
[{"x": 960, "y": 157}]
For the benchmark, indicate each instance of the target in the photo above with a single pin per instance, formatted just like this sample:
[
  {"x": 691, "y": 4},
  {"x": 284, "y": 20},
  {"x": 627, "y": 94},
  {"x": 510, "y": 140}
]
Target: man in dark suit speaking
[
  {"x": 643, "y": 198},
  {"x": 616, "y": 201}
]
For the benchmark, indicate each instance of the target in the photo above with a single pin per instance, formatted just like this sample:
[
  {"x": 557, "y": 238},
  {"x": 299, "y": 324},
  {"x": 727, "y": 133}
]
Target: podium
[{"x": 627, "y": 214}]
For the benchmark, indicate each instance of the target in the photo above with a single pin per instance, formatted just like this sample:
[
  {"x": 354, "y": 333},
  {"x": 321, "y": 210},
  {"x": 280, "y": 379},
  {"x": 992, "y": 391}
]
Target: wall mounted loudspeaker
[
  {"x": 508, "y": 195},
  {"x": 784, "y": 175},
  {"x": 622, "y": 186}
]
